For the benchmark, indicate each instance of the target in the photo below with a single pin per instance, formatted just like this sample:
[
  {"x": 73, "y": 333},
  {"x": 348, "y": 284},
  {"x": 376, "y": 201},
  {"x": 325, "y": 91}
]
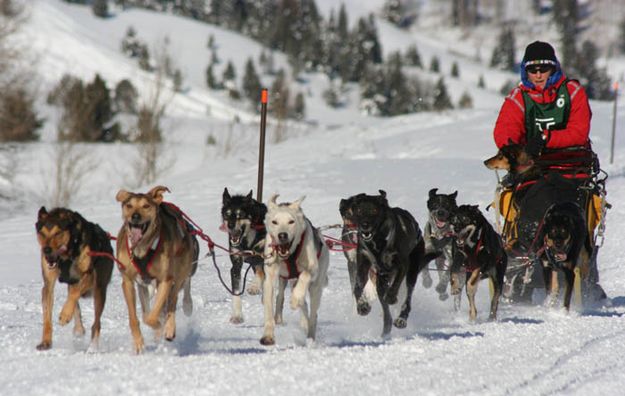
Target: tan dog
[
  {"x": 66, "y": 240},
  {"x": 155, "y": 245}
]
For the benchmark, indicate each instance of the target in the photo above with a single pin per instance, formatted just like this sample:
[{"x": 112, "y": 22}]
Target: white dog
[{"x": 294, "y": 250}]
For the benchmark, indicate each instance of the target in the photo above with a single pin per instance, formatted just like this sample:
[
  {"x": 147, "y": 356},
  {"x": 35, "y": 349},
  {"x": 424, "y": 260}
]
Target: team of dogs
[{"x": 157, "y": 254}]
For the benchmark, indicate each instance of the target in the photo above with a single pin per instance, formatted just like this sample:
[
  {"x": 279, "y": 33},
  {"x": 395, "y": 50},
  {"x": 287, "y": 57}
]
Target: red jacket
[{"x": 510, "y": 124}]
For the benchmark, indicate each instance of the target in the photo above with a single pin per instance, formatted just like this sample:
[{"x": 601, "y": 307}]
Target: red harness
[
  {"x": 143, "y": 265},
  {"x": 291, "y": 261}
]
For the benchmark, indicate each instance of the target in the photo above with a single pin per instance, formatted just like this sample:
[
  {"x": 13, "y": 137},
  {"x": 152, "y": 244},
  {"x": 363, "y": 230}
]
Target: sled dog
[
  {"x": 483, "y": 252},
  {"x": 438, "y": 237},
  {"x": 349, "y": 236},
  {"x": 243, "y": 218},
  {"x": 389, "y": 241},
  {"x": 564, "y": 238},
  {"x": 66, "y": 240},
  {"x": 155, "y": 245},
  {"x": 294, "y": 251}
]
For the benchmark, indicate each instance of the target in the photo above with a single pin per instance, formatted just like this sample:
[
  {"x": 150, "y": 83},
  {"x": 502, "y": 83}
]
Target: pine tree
[
  {"x": 412, "y": 56},
  {"x": 126, "y": 97},
  {"x": 279, "y": 96},
  {"x": 299, "y": 108},
  {"x": 504, "y": 56},
  {"x": 442, "y": 101},
  {"x": 621, "y": 42},
  {"x": 435, "y": 66},
  {"x": 566, "y": 16},
  {"x": 251, "y": 83},
  {"x": 229, "y": 74},
  {"x": 211, "y": 82},
  {"x": 211, "y": 42},
  {"x": 100, "y": 8},
  {"x": 480, "y": 81},
  {"x": 144, "y": 58},
  {"x": 177, "y": 80},
  {"x": 99, "y": 109},
  {"x": 465, "y": 101},
  {"x": 342, "y": 24},
  {"x": 455, "y": 72},
  {"x": 399, "y": 100}
]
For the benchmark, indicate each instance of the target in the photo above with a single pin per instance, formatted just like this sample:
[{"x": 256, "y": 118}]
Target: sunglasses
[{"x": 536, "y": 69}]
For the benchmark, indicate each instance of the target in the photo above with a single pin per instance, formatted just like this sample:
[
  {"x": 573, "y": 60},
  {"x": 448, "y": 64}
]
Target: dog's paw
[
  {"x": 267, "y": 340},
  {"x": 363, "y": 307},
  {"x": 152, "y": 321},
  {"x": 44, "y": 345},
  {"x": 253, "y": 289},
  {"x": 278, "y": 319},
  {"x": 235, "y": 319},
  {"x": 443, "y": 296},
  {"x": 139, "y": 346},
  {"x": 400, "y": 323},
  {"x": 441, "y": 288},
  {"x": 79, "y": 330},
  {"x": 66, "y": 316}
]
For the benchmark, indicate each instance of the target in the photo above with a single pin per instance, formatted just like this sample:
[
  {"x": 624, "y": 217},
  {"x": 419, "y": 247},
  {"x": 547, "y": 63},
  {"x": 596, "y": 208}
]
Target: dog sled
[{"x": 571, "y": 174}]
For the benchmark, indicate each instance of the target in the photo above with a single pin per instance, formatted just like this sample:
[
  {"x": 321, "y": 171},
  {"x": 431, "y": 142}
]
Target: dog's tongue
[{"x": 135, "y": 235}]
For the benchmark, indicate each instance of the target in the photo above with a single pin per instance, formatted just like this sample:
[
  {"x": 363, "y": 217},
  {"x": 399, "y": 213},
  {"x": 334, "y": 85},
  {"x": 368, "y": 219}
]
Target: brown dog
[
  {"x": 66, "y": 241},
  {"x": 155, "y": 244},
  {"x": 512, "y": 158}
]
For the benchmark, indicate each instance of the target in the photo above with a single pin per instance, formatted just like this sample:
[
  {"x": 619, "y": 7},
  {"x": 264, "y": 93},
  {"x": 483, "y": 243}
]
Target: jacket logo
[{"x": 544, "y": 124}]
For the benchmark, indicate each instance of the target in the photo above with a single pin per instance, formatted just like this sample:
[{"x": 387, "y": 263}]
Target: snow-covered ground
[{"x": 528, "y": 350}]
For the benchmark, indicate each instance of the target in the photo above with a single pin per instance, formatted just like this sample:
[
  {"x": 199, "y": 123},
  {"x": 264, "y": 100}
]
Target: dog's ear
[
  {"x": 272, "y": 201},
  {"x": 225, "y": 198},
  {"x": 382, "y": 193},
  {"x": 432, "y": 192},
  {"x": 250, "y": 195},
  {"x": 157, "y": 193},
  {"x": 454, "y": 195},
  {"x": 43, "y": 214},
  {"x": 122, "y": 195},
  {"x": 297, "y": 203},
  {"x": 343, "y": 206}
]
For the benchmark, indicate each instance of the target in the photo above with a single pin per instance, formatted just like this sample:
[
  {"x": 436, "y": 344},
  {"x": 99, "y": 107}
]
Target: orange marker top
[{"x": 263, "y": 96}]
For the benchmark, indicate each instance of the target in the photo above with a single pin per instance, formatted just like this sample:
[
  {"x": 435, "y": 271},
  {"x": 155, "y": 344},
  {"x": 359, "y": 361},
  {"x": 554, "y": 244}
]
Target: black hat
[{"x": 539, "y": 53}]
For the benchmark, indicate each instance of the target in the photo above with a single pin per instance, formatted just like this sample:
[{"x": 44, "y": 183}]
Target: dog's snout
[
  {"x": 136, "y": 217},
  {"x": 283, "y": 237},
  {"x": 441, "y": 213},
  {"x": 47, "y": 250}
]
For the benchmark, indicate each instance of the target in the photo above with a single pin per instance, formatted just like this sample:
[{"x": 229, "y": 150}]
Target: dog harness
[
  {"x": 291, "y": 261},
  {"x": 143, "y": 264}
]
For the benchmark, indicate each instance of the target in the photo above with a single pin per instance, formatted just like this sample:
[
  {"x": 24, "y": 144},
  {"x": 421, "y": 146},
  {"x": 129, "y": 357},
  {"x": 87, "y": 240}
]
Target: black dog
[
  {"x": 349, "y": 234},
  {"x": 438, "y": 236},
  {"x": 390, "y": 241},
  {"x": 484, "y": 255},
  {"x": 564, "y": 237},
  {"x": 244, "y": 217}
]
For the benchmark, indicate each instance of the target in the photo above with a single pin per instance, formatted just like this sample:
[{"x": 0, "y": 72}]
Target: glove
[{"x": 536, "y": 145}]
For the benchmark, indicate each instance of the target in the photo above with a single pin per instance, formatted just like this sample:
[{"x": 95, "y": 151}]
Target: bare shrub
[{"x": 70, "y": 167}]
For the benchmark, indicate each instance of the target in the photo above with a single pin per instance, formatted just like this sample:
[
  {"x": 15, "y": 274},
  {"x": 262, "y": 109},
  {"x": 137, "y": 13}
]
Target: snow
[{"x": 528, "y": 350}]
